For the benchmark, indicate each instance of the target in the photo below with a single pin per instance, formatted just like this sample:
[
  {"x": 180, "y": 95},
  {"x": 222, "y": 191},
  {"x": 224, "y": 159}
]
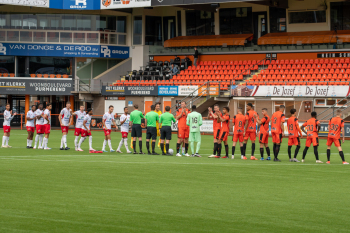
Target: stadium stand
[
  {"x": 208, "y": 40},
  {"x": 292, "y": 38},
  {"x": 223, "y": 72},
  {"x": 303, "y": 72}
]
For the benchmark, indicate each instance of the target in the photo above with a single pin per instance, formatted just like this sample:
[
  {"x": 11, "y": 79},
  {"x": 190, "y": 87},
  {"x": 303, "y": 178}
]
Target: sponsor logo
[
  {"x": 79, "y": 4},
  {"x": 106, "y": 3},
  {"x": 106, "y": 51},
  {"x": 2, "y": 49}
]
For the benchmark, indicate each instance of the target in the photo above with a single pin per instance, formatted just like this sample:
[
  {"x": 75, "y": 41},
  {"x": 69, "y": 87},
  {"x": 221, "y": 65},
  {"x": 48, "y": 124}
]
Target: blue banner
[
  {"x": 63, "y": 50},
  {"x": 168, "y": 91},
  {"x": 114, "y": 51},
  {"x": 75, "y": 4}
]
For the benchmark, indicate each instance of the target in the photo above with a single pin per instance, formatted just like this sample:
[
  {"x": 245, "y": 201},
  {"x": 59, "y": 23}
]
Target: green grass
[{"x": 68, "y": 191}]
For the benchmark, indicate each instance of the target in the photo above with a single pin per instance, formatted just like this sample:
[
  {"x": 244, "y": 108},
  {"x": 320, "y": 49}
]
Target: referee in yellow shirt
[{"x": 159, "y": 113}]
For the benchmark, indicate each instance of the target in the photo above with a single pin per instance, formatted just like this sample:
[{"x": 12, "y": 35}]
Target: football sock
[
  {"x": 233, "y": 150},
  {"x": 192, "y": 147},
  {"x": 329, "y": 154},
  {"x": 215, "y": 148},
  {"x": 290, "y": 152},
  {"x": 186, "y": 148},
  {"x": 134, "y": 145},
  {"x": 244, "y": 148},
  {"x": 147, "y": 146},
  {"x": 178, "y": 148},
  {"x": 153, "y": 147},
  {"x": 274, "y": 150},
  {"x": 104, "y": 144},
  {"x": 126, "y": 144},
  {"x": 262, "y": 152},
  {"x": 198, "y": 147},
  {"x": 183, "y": 149},
  {"x": 41, "y": 140},
  {"x": 161, "y": 147},
  {"x": 82, "y": 139},
  {"x": 76, "y": 141},
  {"x": 44, "y": 142},
  {"x": 341, "y": 153},
  {"x": 7, "y": 141},
  {"x": 226, "y": 149},
  {"x": 110, "y": 144},
  {"x": 62, "y": 142},
  {"x": 120, "y": 143},
  {"x": 36, "y": 140},
  {"x": 305, "y": 152},
  {"x": 219, "y": 149},
  {"x": 296, "y": 152},
  {"x": 253, "y": 148},
  {"x": 167, "y": 147},
  {"x": 90, "y": 142},
  {"x": 140, "y": 145},
  {"x": 268, "y": 151},
  {"x": 27, "y": 142},
  {"x": 277, "y": 150},
  {"x": 316, "y": 152},
  {"x": 65, "y": 141},
  {"x": 3, "y": 140}
]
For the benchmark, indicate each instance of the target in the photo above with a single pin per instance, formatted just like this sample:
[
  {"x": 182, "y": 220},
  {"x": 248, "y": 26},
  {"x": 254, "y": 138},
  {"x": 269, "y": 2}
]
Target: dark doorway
[{"x": 260, "y": 25}]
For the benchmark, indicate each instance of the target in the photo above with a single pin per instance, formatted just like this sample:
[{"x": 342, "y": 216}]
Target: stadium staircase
[{"x": 343, "y": 105}]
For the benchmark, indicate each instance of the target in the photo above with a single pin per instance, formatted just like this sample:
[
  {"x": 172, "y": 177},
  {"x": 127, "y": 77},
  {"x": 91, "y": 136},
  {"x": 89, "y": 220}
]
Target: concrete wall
[
  {"x": 114, "y": 73},
  {"x": 98, "y": 105}
]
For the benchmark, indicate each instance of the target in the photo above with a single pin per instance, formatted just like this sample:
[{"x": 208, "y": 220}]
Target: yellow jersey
[{"x": 159, "y": 113}]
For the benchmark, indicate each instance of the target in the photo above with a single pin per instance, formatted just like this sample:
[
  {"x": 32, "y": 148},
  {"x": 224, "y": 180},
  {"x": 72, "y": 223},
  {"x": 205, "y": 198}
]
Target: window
[
  {"x": 199, "y": 23},
  {"x": 154, "y": 33},
  {"x": 236, "y": 20},
  {"x": 50, "y": 65},
  {"x": 320, "y": 102},
  {"x": 121, "y": 24},
  {"x": 7, "y": 64},
  {"x": 340, "y": 18},
  {"x": 137, "y": 37},
  {"x": 277, "y": 19},
  {"x": 307, "y": 17},
  {"x": 179, "y": 27}
]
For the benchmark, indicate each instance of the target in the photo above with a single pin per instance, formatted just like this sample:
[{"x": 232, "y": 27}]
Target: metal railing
[
  {"x": 88, "y": 85},
  {"x": 336, "y": 106},
  {"x": 62, "y": 36}
]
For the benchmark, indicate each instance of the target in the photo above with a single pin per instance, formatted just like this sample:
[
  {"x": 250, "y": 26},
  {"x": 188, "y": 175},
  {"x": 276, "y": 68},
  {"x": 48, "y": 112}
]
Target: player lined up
[{"x": 189, "y": 130}]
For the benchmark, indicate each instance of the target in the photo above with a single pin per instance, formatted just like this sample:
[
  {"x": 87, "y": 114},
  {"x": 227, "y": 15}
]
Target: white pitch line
[{"x": 135, "y": 162}]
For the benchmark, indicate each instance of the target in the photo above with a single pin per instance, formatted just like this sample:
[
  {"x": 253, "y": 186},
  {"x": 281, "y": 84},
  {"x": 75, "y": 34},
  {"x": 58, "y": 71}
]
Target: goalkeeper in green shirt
[{"x": 194, "y": 120}]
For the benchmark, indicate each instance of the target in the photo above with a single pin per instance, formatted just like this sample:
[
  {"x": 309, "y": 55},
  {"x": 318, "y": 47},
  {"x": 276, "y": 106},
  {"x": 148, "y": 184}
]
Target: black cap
[{"x": 250, "y": 104}]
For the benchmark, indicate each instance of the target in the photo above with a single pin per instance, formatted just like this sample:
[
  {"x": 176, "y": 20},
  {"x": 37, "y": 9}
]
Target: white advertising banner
[
  {"x": 301, "y": 91},
  {"x": 187, "y": 90},
  {"x": 37, "y": 3},
  {"x": 110, "y": 4},
  {"x": 207, "y": 126}
]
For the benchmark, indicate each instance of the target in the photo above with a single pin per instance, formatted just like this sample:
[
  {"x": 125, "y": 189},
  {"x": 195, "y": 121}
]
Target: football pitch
[{"x": 69, "y": 191}]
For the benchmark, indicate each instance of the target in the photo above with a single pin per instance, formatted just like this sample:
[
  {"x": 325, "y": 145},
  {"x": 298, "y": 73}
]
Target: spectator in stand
[
  {"x": 195, "y": 56},
  {"x": 188, "y": 62},
  {"x": 177, "y": 59},
  {"x": 174, "y": 70}
]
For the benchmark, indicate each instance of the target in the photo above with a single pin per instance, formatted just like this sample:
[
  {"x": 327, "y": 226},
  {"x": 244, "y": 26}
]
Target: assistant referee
[
  {"x": 152, "y": 119},
  {"x": 136, "y": 130},
  {"x": 165, "y": 131}
]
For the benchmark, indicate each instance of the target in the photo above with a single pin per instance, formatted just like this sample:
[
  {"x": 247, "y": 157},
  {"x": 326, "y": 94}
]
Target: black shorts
[
  {"x": 136, "y": 131},
  {"x": 165, "y": 133},
  {"x": 151, "y": 133}
]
